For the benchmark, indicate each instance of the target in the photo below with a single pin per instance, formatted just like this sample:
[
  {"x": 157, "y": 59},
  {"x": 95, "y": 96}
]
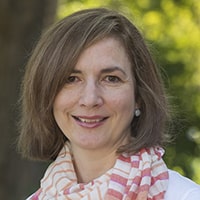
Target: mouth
[{"x": 90, "y": 122}]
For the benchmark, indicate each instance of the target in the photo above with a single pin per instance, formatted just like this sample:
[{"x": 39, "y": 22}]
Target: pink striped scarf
[{"x": 143, "y": 176}]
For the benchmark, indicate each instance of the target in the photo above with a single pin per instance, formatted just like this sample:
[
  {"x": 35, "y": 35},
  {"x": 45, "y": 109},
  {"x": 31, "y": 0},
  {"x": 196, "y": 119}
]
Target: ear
[{"x": 137, "y": 105}]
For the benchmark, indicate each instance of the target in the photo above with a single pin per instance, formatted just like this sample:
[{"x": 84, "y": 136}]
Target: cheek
[
  {"x": 64, "y": 100},
  {"x": 61, "y": 107},
  {"x": 123, "y": 102},
  {"x": 59, "y": 104}
]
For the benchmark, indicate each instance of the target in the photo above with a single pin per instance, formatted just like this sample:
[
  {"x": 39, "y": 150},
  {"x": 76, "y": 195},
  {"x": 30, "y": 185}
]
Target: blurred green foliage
[{"x": 172, "y": 30}]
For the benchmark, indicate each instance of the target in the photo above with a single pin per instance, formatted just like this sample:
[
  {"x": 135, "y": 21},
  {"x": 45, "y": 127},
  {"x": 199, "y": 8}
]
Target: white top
[{"x": 181, "y": 188}]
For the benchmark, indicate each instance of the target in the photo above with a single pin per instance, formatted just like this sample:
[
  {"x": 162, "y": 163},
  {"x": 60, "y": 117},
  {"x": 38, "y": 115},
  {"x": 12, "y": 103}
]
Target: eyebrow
[
  {"x": 76, "y": 71},
  {"x": 112, "y": 69},
  {"x": 103, "y": 71}
]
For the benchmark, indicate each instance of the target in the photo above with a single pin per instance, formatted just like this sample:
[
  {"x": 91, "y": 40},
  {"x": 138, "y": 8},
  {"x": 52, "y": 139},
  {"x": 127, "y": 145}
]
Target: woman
[{"x": 94, "y": 103}]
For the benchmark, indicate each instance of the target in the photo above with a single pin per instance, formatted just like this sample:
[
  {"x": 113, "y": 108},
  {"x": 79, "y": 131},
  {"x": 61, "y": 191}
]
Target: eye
[
  {"x": 112, "y": 79},
  {"x": 72, "y": 79}
]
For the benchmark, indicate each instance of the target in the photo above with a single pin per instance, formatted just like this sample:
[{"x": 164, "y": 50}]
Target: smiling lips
[{"x": 90, "y": 122}]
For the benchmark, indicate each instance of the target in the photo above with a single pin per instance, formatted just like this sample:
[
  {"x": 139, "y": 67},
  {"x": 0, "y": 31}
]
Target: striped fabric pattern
[{"x": 142, "y": 176}]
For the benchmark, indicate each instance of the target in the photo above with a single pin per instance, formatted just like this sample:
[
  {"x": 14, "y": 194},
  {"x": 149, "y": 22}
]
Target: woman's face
[{"x": 95, "y": 107}]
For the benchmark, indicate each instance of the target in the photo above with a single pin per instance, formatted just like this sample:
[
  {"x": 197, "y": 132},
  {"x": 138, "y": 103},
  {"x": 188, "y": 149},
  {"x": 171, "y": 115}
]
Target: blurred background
[{"x": 172, "y": 30}]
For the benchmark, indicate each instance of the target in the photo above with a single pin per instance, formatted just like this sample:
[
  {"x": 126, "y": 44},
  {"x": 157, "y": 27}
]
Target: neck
[{"x": 89, "y": 164}]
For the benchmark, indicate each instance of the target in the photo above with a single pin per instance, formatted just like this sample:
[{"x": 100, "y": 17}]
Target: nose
[{"x": 91, "y": 95}]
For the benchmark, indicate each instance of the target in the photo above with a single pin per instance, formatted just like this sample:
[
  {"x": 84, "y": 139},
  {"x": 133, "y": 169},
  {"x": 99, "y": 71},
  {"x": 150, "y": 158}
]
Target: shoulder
[{"x": 181, "y": 188}]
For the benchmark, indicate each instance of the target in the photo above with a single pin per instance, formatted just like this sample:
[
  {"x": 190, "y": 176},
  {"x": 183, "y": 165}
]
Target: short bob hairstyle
[{"x": 53, "y": 60}]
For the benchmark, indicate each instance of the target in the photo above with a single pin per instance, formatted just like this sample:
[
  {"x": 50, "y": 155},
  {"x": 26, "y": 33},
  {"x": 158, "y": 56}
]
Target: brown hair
[{"x": 53, "y": 60}]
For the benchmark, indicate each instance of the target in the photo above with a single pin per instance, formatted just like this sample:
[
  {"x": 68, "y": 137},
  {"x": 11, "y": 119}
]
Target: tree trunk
[{"x": 21, "y": 22}]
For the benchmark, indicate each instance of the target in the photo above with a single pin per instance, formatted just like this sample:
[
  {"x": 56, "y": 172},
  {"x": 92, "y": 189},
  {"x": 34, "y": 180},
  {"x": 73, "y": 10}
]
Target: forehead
[{"x": 105, "y": 52}]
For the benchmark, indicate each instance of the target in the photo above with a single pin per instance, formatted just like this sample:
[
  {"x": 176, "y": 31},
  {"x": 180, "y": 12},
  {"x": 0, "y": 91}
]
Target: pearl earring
[{"x": 137, "y": 112}]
